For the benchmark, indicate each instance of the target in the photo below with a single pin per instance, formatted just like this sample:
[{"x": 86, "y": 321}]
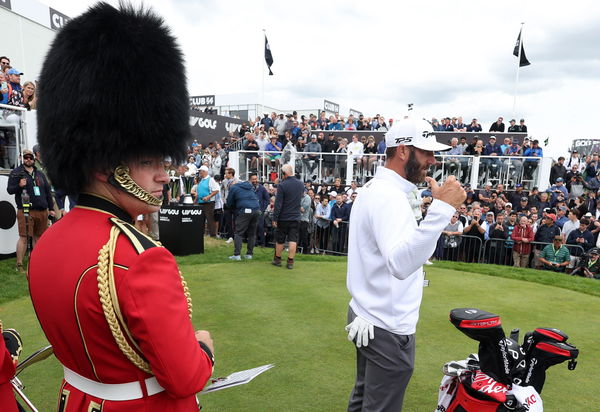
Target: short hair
[
  {"x": 390, "y": 152},
  {"x": 561, "y": 158},
  {"x": 584, "y": 221},
  {"x": 251, "y": 175},
  {"x": 230, "y": 170},
  {"x": 287, "y": 169},
  {"x": 4, "y": 57}
]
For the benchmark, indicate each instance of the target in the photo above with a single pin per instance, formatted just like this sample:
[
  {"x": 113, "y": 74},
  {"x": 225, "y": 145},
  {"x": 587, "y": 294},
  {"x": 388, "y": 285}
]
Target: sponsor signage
[
  {"x": 57, "y": 19},
  {"x": 208, "y": 100},
  {"x": 207, "y": 127},
  {"x": 182, "y": 229},
  {"x": 331, "y": 107}
]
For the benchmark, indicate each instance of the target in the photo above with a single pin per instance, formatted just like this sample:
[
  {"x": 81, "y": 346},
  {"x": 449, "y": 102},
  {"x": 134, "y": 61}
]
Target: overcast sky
[{"x": 448, "y": 58}]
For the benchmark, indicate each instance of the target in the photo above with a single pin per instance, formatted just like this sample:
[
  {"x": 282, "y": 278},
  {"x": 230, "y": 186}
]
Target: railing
[
  {"x": 494, "y": 250},
  {"x": 324, "y": 167}
]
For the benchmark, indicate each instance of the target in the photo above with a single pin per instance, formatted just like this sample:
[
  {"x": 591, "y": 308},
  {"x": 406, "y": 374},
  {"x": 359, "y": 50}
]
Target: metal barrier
[
  {"x": 329, "y": 238},
  {"x": 325, "y": 167},
  {"x": 315, "y": 166},
  {"x": 499, "y": 251}
]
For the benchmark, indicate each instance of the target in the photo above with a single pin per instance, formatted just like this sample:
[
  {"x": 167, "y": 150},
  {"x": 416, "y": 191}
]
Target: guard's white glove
[{"x": 362, "y": 329}]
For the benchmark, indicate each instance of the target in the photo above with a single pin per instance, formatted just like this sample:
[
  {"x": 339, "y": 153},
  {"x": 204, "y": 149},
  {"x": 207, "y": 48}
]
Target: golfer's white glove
[{"x": 362, "y": 330}]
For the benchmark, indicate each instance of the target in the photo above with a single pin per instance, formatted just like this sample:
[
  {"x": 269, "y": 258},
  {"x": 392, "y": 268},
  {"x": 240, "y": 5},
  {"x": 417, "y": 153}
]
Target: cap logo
[
  {"x": 400, "y": 140},
  {"x": 427, "y": 133}
]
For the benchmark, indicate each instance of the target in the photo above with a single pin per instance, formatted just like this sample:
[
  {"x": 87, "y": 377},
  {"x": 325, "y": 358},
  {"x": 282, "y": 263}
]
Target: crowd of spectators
[
  {"x": 12, "y": 91},
  {"x": 557, "y": 229}
]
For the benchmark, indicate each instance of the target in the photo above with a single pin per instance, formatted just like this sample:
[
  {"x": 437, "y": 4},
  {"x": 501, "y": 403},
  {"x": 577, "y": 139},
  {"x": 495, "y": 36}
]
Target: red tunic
[
  {"x": 7, "y": 372},
  {"x": 64, "y": 291}
]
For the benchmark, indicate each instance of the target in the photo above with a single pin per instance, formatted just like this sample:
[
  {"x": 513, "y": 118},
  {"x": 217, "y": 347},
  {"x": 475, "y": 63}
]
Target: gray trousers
[
  {"x": 245, "y": 224},
  {"x": 383, "y": 369}
]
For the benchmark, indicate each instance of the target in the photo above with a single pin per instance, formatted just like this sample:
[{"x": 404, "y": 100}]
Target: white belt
[{"x": 112, "y": 391}]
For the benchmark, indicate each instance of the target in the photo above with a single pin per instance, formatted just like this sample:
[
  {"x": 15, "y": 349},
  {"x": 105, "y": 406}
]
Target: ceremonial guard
[
  {"x": 110, "y": 300},
  {"x": 10, "y": 348}
]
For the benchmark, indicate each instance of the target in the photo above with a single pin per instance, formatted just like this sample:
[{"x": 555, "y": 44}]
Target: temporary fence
[{"x": 322, "y": 167}]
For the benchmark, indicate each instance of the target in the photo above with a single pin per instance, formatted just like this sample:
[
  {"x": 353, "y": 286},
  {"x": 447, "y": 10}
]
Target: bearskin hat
[{"x": 112, "y": 89}]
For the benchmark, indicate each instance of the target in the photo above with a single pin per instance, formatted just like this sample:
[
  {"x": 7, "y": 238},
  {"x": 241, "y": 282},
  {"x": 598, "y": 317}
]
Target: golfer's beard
[{"x": 414, "y": 170}]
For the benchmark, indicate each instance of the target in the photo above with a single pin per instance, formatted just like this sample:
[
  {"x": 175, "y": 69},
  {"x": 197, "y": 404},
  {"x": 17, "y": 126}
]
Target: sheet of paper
[{"x": 236, "y": 378}]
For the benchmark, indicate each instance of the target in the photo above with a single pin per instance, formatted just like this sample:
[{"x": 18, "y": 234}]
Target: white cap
[
  {"x": 333, "y": 193},
  {"x": 204, "y": 168},
  {"x": 413, "y": 132}
]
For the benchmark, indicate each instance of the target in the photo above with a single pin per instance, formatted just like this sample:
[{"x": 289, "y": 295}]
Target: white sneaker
[
  {"x": 428, "y": 262},
  {"x": 229, "y": 240},
  {"x": 235, "y": 257},
  {"x": 248, "y": 257}
]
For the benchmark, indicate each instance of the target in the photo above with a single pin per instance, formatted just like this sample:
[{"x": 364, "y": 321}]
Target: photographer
[
  {"x": 32, "y": 217},
  {"x": 589, "y": 265}
]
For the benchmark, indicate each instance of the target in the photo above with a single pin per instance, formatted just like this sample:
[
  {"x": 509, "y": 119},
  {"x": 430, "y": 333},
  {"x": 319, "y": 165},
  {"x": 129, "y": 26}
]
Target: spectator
[
  {"x": 454, "y": 163},
  {"x": 513, "y": 126},
  {"x": 472, "y": 246},
  {"x": 571, "y": 224},
  {"x": 329, "y": 146},
  {"x": 546, "y": 232},
  {"x": 207, "y": 190},
  {"x": 557, "y": 188},
  {"x": 581, "y": 237},
  {"x": 573, "y": 160},
  {"x": 29, "y": 98},
  {"x": 514, "y": 165},
  {"x": 371, "y": 155},
  {"x": 558, "y": 170},
  {"x": 555, "y": 256},
  {"x": 491, "y": 165},
  {"x": 192, "y": 170},
  {"x": 497, "y": 126},
  {"x": 531, "y": 165},
  {"x": 286, "y": 217},
  {"x": 509, "y": 225},
  {"x": 522, "y": 206},
  {"x": 243, "y": 200},
  {"x": 4, "y": 63},
  {"x": 273, "y": 154},
  {"x": 311, "y": 158},
  {"x": 340, "y": 215},
  {"x": 522, "y": 126},
  {"x": 356, "y": 151},
  {"x": 32, "y": 216},
  {"x": 16, "y": 90},
  {"x": 561, "y": 216},
  {"x": 590, "y": 266},
  {"x": 322, "y": 213},
  {"x": 497, "y": 235},
  {"x": 488, "y": 224},
  {"x": 452, "y": 238},
  {"x": 334, "y": 124},
  {"x": 522, "y": 236},
  {"x": 306, "y": 214},
  {"x": 474, "y": 126},
  {"x": 4, "y": 89}
]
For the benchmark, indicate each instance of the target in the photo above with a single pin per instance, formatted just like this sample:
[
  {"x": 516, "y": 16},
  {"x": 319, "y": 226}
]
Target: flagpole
[
  {"x": 262, "y": 69},
  {"x": 514, "y": 116}
]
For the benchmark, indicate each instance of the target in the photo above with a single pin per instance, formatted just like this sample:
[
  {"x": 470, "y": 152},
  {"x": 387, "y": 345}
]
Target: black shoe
[
  {"x": 290, "y": 264},
  {"x": 276, "y": 261}
]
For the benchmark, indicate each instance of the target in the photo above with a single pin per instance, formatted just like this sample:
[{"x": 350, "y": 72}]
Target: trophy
[
  {"x": 188, "y": 182},
  {"x": 174, "y": 185}
]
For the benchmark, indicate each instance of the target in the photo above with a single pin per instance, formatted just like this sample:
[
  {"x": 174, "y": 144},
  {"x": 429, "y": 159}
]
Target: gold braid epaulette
[{"x": 106, "y": 291}]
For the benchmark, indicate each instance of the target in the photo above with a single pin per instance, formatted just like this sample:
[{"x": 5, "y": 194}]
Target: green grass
[{"x": 261, "y": 314}]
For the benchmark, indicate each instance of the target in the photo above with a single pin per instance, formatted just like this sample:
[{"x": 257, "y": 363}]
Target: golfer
[{"x": 386, "y": 251}]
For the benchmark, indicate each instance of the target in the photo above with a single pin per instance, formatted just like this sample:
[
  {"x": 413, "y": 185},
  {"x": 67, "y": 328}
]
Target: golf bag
[{"x": 503, "y": 376}]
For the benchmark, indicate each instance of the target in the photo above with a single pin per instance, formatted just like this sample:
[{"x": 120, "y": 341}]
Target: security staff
[
  {"x": 110, "y": 300},
  {"x": 386, "y": 252}
]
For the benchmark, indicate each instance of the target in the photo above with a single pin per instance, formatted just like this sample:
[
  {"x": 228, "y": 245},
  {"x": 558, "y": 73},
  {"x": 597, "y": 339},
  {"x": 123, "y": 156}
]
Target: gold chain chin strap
[
  {"x": 106, "y": 291},
  {"x": 122, "y": 177}
]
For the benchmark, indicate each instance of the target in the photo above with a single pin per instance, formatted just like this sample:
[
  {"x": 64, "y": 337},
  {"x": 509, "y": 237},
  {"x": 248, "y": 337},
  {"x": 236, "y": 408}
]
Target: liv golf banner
[{"x": 207, "y": 128}]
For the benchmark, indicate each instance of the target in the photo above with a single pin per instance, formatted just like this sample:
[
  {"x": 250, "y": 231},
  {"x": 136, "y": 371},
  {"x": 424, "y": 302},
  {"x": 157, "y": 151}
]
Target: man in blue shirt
[
  {"x": 536, "y": 152},
  {"x": 492, "y": 165},
  {"x": 263, "y": 202},
  {"x": 242, "y": 198}
]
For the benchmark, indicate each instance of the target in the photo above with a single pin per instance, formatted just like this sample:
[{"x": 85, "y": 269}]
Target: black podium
[{"x": 181, "y": 229}]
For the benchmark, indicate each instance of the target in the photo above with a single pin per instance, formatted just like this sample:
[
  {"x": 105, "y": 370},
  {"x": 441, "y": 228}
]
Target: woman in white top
[{"x": 192, "y": 168}]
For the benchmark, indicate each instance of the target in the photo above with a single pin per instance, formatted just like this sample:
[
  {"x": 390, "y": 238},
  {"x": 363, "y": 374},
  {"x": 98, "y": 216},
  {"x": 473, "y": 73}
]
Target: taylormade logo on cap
[{"x": 414, "y": 132}]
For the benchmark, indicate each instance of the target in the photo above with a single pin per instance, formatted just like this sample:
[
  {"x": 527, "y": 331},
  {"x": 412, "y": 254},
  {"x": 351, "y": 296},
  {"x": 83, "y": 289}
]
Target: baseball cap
[
  {"x": 492, "y": 137},
  {"x": 204, "y": 168},
  {"x": 551, "y": 216},
  {"x": 333, "y": 193},
  {"x": 14, "y": 71},
  {"x": 519, "y": 185},
  {"x": 594, "y": 251},
  {"x": 508, "y": 204},
  {"x": 524, "y": 199},
  {"x": 313, "y": 136},
  {"x": 588, "y": 214},
  {"x": 413, "y": 132},
  {"x": 490, "y": 213},
  {"x": 27, "y": 152},
  {"x": 560, "y": 179}
]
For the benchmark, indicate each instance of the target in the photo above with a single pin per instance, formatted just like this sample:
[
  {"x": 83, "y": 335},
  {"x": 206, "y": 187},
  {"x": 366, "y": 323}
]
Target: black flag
[
  {"x": 524, "y": 61},
  {"x": 268, "y": 56}
]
